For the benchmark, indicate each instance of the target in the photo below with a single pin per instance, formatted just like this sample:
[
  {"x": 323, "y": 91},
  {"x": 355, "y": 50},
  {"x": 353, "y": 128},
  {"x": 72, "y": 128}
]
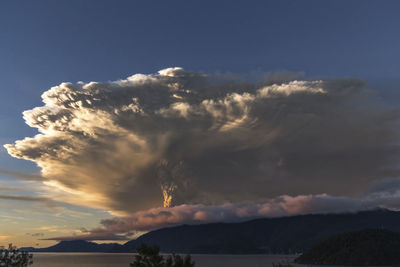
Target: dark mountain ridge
[
  {"x": 75, "y": 246},
  {"x": 292, "y": 234}
]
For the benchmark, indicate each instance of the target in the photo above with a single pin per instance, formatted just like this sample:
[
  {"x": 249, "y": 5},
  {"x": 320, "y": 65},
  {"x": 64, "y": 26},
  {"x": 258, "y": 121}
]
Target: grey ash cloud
[{"x": 186, "y": 138}]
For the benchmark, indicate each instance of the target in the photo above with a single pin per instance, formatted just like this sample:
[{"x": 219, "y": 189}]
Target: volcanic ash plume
[{"x": 209, "y": 139}]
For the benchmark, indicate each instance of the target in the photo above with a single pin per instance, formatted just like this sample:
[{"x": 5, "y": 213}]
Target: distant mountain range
[
  {"x": 75, "y": 246},
  {"x": 292, "y": 234}
]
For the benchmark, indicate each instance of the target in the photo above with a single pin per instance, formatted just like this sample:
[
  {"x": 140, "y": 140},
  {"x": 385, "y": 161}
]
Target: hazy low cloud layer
[
  {"x": 123, "y": 228},
  {"x": 188, "y": 214},
  {"x": 180, "y": 137}
]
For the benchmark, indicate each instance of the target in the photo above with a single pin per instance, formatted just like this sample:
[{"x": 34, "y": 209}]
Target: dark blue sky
[{"x": 43, "y": 43}]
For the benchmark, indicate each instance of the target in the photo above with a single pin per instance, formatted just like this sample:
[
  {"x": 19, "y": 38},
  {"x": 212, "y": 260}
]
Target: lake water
[{"x": 123, "y": 260}]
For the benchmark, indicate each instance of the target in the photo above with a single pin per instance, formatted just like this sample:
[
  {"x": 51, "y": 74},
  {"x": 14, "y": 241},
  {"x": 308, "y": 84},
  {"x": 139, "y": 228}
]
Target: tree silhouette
[
  {"x": 150, "y": 257},
  {"x": 12, "y": 257}
]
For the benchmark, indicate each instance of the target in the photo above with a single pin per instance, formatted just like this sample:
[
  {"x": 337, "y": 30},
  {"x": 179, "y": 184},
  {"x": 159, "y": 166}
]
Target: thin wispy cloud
[
  {"x": 49, "y": 203},
  {"x": 22, "y": 175}
]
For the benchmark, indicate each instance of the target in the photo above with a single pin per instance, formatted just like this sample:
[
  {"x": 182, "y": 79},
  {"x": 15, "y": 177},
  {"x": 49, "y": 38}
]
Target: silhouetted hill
[
  {"x": 293, "y": 234},
  {"x": 270, "y": 235},
  {"x": 75, "y": 246},
  {"x": 370, "y": 247}
]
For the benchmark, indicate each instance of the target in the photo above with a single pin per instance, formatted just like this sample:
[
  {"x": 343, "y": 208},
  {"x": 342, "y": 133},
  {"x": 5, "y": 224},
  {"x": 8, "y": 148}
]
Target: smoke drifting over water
[{"x": 179, "y": 137}]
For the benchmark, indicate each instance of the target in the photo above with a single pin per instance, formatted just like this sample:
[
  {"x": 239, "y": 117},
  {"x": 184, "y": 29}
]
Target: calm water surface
[{"x": 123, "y": 260}]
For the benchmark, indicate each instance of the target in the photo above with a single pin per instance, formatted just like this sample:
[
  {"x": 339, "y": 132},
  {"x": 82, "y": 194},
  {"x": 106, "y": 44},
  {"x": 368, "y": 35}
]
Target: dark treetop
[{"x": 369, "y": 247}]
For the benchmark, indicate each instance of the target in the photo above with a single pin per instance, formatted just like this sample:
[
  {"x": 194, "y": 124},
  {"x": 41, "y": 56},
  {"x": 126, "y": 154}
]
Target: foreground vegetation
[
  {"x": 372, "y": 247},
  {"x": 150, "y": 257},
  {"x": 12, "y": 257}
]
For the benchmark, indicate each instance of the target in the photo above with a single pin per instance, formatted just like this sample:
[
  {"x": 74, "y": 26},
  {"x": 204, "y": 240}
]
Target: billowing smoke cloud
[{"x": 180, "y": 137}]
